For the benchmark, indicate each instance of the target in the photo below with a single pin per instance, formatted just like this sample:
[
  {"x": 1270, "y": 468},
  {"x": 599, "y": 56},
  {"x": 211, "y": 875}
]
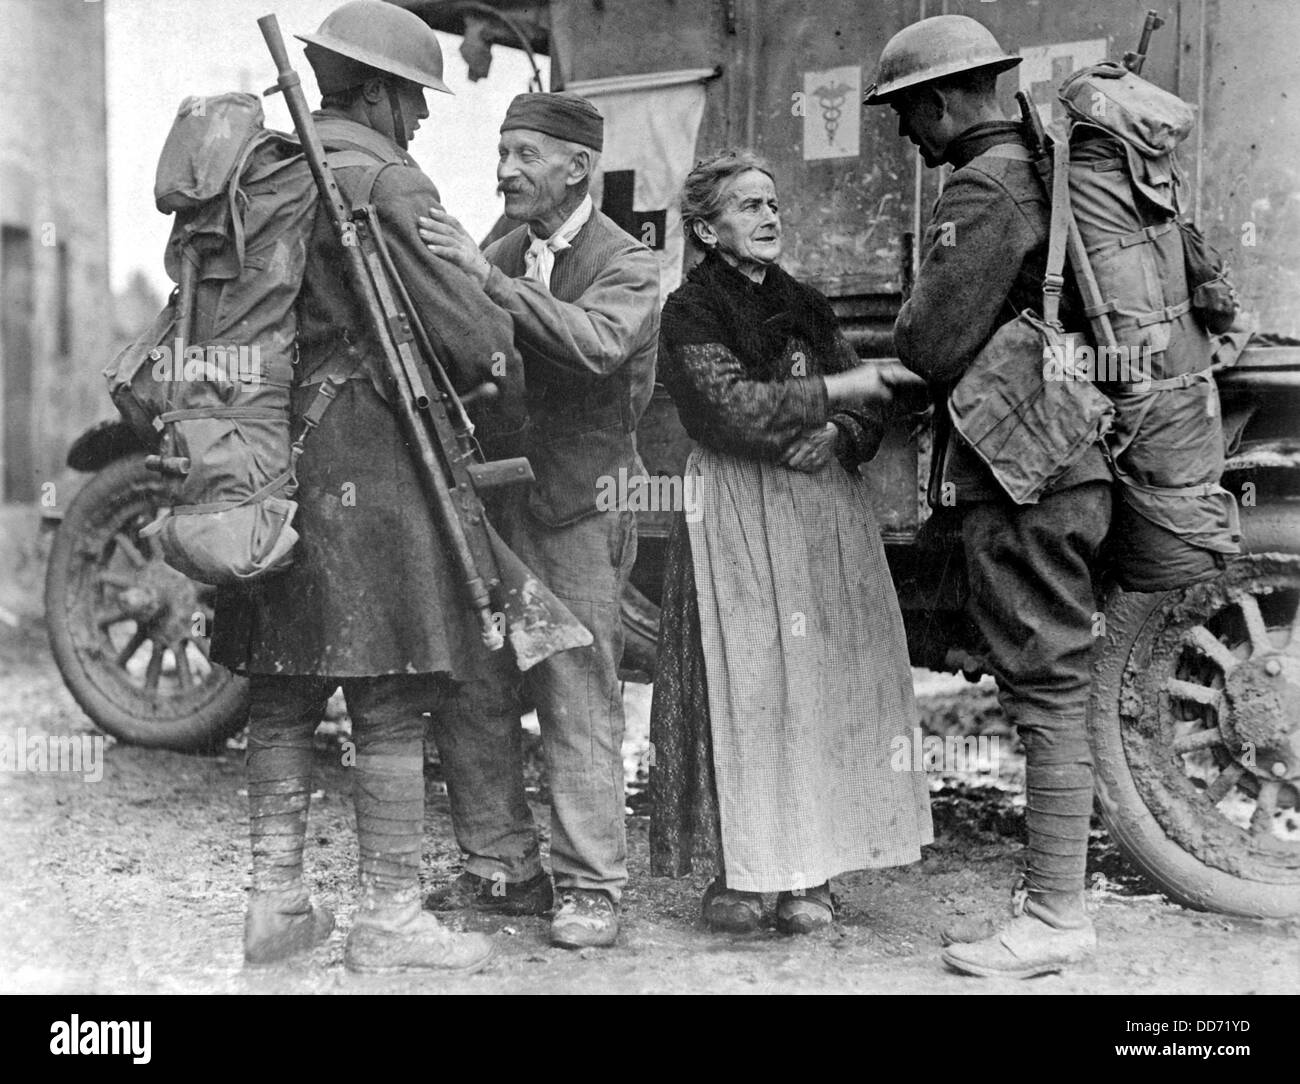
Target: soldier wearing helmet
[
  {"x": 1029, "y": 566},
  {"x": 371, "y": 603}
]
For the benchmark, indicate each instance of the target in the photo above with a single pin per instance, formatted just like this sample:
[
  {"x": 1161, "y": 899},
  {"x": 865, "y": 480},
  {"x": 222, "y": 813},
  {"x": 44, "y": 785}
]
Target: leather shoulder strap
[{"x": 362, "y": 190}]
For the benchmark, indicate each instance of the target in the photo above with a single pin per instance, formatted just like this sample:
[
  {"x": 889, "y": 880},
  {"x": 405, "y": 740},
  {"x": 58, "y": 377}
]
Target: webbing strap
[
  {"x": 1145, "y": 235},
  {"x": 196, "y": 413},
  {"x": 1053, "y": 277},
  {"x": 1205, "y": 489},
  {"x": 1167, "y": 315},
  {"x": 1171, "y": 383},
  {"x": 256, "y": 497},
  {"x": 354, "y": 156},
  {"x": 320, "y": 403}
]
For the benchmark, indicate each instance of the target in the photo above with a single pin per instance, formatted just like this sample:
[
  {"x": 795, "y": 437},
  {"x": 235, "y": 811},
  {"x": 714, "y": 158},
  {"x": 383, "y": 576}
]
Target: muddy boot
[
  {"x": 280, "y": 924},
  {"x": 1048, "y": 932},
  {"x": 586, "y": 918},
  {"x": 392, "y": 940},
  {"x": 1050, "y": 927},
  {"x": 964, "y": 931},
  {"x": 391, "y": 933}
]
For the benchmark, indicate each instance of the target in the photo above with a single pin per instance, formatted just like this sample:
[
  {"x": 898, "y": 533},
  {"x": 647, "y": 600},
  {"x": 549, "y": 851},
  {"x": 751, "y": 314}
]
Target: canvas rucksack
[
  {"x": 210, "y": 380},
  {"x": 1162, "y": 290}
]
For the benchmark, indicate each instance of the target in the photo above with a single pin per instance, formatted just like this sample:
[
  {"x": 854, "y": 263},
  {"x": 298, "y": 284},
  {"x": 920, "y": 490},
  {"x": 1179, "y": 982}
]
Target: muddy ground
[{"x": 136, "y": 884}]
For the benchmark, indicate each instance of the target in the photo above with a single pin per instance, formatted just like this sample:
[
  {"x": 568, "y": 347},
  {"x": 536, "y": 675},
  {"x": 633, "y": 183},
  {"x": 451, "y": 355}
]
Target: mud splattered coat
[{"x": 371, "y": 590}]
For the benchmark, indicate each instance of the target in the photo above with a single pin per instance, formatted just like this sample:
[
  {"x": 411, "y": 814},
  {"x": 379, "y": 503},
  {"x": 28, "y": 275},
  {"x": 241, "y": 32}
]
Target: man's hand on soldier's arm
[
  {"x": 471, "y": 336},
  {"x": 446, "y": 238}
]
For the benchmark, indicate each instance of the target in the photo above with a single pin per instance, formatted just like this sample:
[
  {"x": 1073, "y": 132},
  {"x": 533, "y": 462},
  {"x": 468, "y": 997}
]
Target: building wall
[{"x": 56, "y": 302}]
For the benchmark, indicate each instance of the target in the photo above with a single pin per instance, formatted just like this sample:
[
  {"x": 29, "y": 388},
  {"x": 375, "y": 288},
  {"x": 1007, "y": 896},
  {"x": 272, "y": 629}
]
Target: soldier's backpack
[
  {"x": 210, "y": 380},
  {"x": 1162, "y": 289}
]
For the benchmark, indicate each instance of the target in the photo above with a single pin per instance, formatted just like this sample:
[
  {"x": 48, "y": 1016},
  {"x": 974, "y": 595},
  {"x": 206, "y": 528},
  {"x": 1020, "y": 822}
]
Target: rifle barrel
[{"x": 1134, "y": 60}]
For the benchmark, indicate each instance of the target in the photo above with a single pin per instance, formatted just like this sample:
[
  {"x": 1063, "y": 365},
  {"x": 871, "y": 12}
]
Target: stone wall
[{"x": 54, "y": 209}]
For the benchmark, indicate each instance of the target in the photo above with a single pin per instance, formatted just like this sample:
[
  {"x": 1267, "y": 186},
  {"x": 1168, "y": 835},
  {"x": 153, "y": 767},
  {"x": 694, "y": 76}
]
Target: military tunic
[{"x": 372, "y": 589}]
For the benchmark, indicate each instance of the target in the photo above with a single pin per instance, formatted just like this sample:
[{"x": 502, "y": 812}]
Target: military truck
[{"x": 1195, "y": 714}]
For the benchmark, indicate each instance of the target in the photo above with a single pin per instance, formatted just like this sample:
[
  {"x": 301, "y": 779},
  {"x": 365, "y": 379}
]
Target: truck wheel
[
  {"x": 1195, "y": 726},
  {"x": 128, "y": 632}
]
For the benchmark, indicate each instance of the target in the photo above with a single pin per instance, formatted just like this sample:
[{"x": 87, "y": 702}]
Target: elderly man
[
  {"x": 583, "y": 297},
  {"x": 371, "y": 602},
  {"x": 983, "y": 260}
]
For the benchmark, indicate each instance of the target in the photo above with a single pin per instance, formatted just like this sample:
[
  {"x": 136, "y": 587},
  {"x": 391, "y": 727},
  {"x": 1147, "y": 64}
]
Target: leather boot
[
  {"x": 393, "y": 940},
  {"x": 391, "y": 933},
  {"x": 282, "y": 923},
  {"x": 1048, "y": 932}
]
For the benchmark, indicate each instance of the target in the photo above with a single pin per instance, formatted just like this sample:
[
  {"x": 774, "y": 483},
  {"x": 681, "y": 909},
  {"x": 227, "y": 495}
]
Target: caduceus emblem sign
[
  {"x": 832, "y": 113},
  {"x": 831, "y": 97}
]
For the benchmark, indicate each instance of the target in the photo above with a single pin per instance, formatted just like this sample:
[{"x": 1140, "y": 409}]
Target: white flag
[{"x": 651, "y": 123}]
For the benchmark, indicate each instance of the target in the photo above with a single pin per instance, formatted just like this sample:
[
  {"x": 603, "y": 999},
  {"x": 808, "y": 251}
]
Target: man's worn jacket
[
  {"x": 982, "y": 262},
  {"x": 588, "y": 346}
]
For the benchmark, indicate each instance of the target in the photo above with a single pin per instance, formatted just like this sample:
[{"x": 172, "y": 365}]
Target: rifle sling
[
  {"x": 1058, "y": 232},
  {"x": 328, "y": 389}
]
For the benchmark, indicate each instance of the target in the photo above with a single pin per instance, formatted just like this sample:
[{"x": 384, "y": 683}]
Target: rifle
[
  {"x": 497, "y": 585},
  {"x": 1042, "y": 153},
  {"x": 1134, "y": 60}
]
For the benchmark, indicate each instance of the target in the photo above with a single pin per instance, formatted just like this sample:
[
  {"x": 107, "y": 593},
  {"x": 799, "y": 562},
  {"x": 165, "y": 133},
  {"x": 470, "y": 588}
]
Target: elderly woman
[{"x": 783, "y": 671}]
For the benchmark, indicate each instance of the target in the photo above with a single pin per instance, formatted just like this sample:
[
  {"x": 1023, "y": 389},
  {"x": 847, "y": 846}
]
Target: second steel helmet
[
  {"x": 935, "y": 48},
  {"x": 367, "y": 35}
]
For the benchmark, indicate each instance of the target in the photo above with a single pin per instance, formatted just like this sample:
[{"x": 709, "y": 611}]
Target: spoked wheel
[
  {"x": 1196, "y": 728},
  {"x": 128, "y": 632}
]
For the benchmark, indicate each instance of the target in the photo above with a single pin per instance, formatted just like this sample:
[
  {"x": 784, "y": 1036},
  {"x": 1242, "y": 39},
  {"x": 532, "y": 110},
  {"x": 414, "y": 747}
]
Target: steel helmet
[
  {"x": 932, "y": 49},
  {"x": 365, "y": 36}
]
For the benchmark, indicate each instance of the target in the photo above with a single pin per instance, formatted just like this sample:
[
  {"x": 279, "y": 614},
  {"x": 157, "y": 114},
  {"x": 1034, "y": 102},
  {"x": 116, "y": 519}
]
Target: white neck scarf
[{"x": 539, "y": 260}]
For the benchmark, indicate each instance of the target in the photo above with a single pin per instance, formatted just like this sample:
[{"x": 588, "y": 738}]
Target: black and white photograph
[{"x": 651, "y": 497}]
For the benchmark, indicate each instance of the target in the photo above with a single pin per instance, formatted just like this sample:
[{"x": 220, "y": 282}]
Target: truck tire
[
  {"x": 129, "y": 633},
  {"x": 1195, "y": 728}
]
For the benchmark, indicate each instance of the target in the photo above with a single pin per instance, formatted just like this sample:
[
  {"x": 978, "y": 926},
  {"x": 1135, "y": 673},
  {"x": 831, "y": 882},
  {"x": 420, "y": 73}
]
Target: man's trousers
[
  {"x": 579, "y": 705},
  {"x": 1032, "y": 598}
]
